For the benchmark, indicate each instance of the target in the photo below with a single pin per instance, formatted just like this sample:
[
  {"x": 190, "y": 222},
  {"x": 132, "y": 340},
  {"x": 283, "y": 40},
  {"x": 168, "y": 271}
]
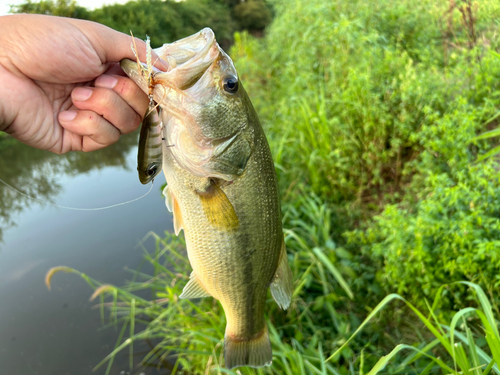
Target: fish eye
[
  {"x": 151, "y": 171},
  {"x": 230, "y": 84}
]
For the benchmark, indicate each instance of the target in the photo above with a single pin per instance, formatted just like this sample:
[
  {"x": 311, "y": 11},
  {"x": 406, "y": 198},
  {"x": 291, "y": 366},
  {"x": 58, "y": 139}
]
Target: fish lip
[
  {"x": 128, "y": 65},
  {"x": 189, "y": 50},
  {"x": 187, "y": 60},
  {"x": 130, "y": 68},
  {"x": 190, "y": 58}
]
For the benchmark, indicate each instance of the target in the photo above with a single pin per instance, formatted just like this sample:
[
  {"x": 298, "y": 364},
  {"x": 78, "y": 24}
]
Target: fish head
[{"x": 205, "y": 109}]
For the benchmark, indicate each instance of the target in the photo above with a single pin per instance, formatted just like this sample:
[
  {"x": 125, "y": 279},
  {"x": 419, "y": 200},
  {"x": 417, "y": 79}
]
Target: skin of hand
[{"x": 61, "y": 87}]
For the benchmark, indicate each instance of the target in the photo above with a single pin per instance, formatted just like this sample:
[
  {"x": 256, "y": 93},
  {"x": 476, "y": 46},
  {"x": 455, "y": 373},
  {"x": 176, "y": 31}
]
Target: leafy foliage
[
  {"x": 62, "y": 8},
  {"x": 167, "y": 21},
  {"x": 252, "y": 15},
  {"x": 372, "y": 111},
  {"x": 164, "y": 21}
]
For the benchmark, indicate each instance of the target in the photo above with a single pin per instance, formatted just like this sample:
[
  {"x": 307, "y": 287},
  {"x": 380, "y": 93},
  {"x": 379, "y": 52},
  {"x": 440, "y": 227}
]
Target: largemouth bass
[{"x": 222, "y": 190}]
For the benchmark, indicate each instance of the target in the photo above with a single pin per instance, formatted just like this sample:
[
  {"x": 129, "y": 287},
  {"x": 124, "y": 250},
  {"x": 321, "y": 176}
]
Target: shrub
[
  {"x": 374, "y": 111},
  {"x": 344, "y": 91}
]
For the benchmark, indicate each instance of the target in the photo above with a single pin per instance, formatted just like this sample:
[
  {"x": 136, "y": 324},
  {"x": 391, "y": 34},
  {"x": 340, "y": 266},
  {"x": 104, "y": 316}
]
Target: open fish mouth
[
  {"x": 187, "y": 60},
  {"x": 194, "y": 53}
]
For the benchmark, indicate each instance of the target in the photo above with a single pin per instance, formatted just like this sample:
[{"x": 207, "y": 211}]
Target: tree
[
  {"x": 63, "y": 8},
  {"x": 252, "y": 15}
]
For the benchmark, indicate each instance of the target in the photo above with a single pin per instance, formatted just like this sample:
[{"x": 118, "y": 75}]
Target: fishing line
[{"x": 75, "y": 208}]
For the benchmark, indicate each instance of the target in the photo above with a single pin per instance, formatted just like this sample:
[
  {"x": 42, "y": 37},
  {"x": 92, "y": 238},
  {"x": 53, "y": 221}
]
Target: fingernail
[
  {"x": 67, "y": 115},
  {"x": 81, "y": 93},
  {"x": 106, "y": 81},
  {"x": 165, "y": 66}
]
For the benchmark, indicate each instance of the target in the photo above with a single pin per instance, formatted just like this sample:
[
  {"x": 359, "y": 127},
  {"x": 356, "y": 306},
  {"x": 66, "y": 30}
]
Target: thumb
[{"x": 113, "y": 46}]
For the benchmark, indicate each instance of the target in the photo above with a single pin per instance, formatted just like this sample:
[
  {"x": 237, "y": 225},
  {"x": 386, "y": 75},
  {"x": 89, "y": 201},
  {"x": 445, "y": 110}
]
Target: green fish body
[{"x": 222, "y": 190}]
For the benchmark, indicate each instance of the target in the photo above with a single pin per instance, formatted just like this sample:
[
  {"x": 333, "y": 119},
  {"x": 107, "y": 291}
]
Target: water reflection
[
  {"x": 36, "y": 172},
  {"x": 58, "y": 332}
]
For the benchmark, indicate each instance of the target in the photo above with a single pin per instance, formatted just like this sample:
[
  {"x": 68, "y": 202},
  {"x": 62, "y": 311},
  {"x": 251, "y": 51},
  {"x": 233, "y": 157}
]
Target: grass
[
  {"x": 370, "y": 111},
  {"x": 475, "y": 361},
  {"x": 313, "y": 337},
  {"x": 187, "y": 335}
]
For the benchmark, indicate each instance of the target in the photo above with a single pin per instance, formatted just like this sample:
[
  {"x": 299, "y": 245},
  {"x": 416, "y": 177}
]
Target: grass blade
[
  {"x": 382, "y": 362},
  {"x": 492, "y": 152},
  {"x": 334, "y": 271}
]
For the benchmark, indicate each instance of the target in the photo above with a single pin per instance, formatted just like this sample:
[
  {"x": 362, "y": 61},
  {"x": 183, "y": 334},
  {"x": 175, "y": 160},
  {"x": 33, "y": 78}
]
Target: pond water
[{"x": 59, "y": 332}]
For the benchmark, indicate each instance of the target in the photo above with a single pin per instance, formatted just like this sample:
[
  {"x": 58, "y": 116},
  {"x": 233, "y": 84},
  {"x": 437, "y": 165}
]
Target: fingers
[
  {"x": 95, "y": 131},
  {"x": 127, "y": 91},
  {"x": 102, "y": 113},
  {"x": 112, "y": 45},
  {"x": 117, "y": 99}
]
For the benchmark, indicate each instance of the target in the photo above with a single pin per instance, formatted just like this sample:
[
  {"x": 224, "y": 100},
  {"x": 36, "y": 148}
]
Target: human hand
[{"x": 61, "y": 88}]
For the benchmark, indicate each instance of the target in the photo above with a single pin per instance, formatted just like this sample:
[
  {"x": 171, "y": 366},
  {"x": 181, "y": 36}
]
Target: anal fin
[
  {"x": 282, "y": 283},
  {"x": 218, "y": 209},
  {"x": 193, "y": 289}
]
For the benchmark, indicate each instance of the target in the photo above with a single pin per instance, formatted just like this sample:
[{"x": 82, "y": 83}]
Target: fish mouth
[
  {"x": 190, "y": 49},
  {"x": 189, "y": 58}
]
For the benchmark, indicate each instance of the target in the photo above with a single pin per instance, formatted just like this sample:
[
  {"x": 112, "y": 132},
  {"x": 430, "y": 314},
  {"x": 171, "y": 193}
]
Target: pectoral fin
[
  {"x": 178, "y": 223},
  {"x": 282, "y": 284},
  {"x": 168, "y": 198},
  {"x": 218, "y": 209},
  {"x": 193, "y": 289},
  {"x": 173, "y": 206}
]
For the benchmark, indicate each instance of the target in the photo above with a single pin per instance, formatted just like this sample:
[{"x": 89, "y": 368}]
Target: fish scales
[
  {"x": 217, "y": 258},
  {"x": 222, "y": 190}
]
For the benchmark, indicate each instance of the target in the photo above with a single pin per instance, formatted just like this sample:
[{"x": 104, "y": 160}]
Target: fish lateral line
[{"x": 74, "y": 208}]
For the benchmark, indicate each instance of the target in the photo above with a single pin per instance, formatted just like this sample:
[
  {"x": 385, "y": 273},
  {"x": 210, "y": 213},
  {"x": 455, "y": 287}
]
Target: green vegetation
[
  {"x": 62, "y": 8},
  {"x": 373, "y": 111},
  {"x": 164, "y": 21}
]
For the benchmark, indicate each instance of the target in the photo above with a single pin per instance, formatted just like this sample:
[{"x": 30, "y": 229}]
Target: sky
[{"x": 89, "y": 4}]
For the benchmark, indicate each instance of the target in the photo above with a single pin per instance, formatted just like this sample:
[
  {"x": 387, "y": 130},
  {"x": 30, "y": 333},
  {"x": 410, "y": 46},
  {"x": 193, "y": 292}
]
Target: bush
[
  {"x": 252, "y": 15},
  {"x": 451, "y": 235},
  {"x": 167, "y": 21},
  {"x": 343, "y": 95},
  {"x": 449, "y": 230},
  {"x": 374, "y": 112}
]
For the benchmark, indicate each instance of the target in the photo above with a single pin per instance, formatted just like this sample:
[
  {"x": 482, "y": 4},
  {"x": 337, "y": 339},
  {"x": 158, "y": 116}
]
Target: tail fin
[{"x": 254, "y": 352}]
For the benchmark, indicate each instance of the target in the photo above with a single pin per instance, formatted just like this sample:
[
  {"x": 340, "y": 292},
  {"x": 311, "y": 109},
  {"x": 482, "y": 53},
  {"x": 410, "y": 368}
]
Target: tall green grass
[
  {"x": 373, "y": 107},
  {"x": 370, "y": 109},
  {"x": 186, "y": 337}
]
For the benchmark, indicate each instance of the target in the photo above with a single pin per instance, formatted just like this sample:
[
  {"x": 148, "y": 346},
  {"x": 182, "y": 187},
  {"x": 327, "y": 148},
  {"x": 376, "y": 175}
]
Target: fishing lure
[{"x": 150, "y": 154}]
